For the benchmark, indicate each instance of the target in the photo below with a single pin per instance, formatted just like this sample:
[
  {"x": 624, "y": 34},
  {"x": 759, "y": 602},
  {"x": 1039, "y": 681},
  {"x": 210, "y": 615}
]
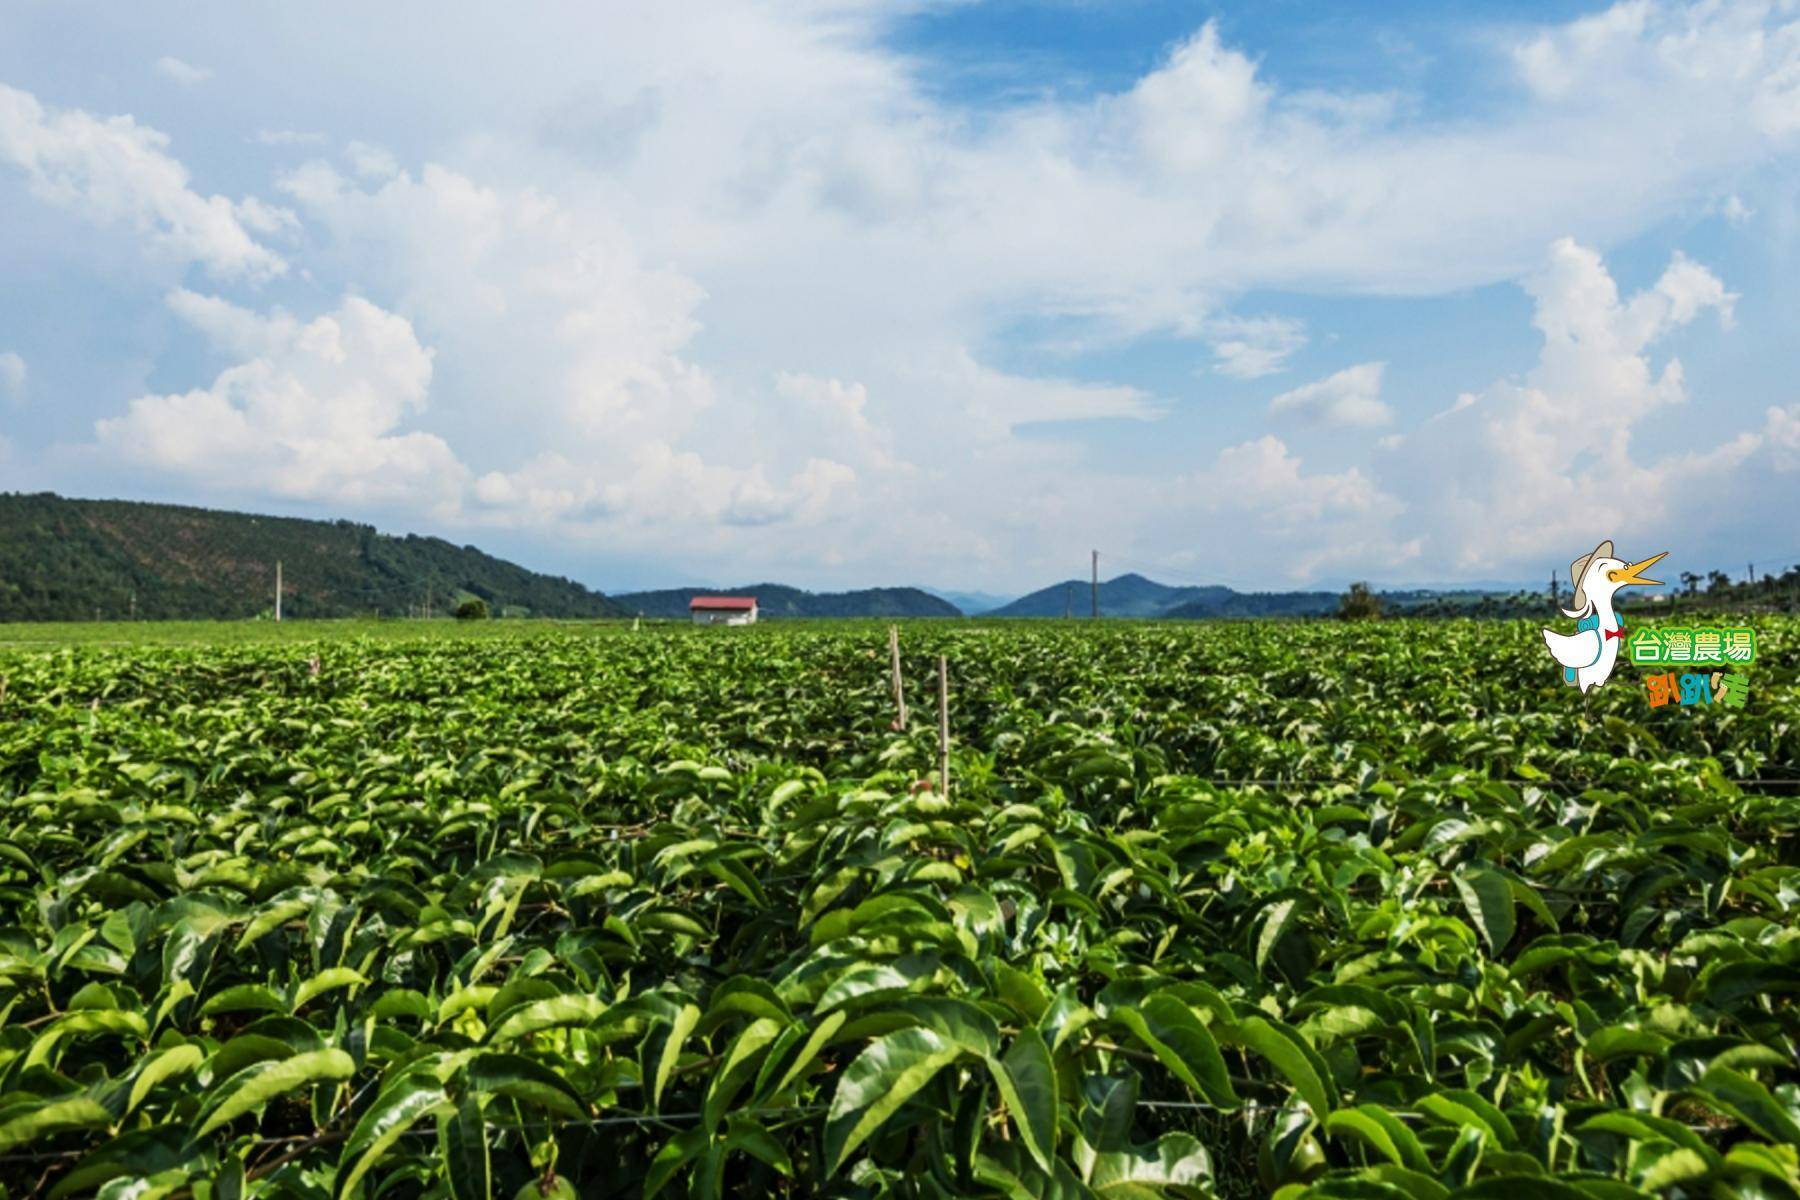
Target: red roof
[{"x": 731, "y": 603}]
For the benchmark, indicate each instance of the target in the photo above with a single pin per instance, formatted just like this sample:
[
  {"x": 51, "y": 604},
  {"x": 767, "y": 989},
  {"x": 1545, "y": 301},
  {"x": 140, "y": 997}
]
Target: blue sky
[{"x": 848, "y": 292}]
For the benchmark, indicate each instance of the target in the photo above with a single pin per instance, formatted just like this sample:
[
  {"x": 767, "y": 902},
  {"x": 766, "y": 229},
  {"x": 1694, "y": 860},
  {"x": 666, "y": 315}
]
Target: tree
[
  {"x": 473, "y": 609},
  {"x": 1359, "y": 604}
]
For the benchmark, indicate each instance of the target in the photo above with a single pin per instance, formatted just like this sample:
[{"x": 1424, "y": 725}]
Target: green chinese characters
[{"x": 1680, "y": 645}]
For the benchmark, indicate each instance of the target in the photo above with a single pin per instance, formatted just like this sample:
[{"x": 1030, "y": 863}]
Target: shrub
[
  {"x": 475, "y": 609},
  {"x": 1359, "y": 604}
]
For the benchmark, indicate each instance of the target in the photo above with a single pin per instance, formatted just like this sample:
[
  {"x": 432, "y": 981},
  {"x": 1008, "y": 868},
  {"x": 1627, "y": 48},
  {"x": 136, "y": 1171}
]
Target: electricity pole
[
  {"x": 1555, "y": 590},
  {"x": 278, "y": 589},
  {"x": 1068, "y": 601},
  {"x": 131, "y": 605},
  {"x": 1096, "y": 585}
]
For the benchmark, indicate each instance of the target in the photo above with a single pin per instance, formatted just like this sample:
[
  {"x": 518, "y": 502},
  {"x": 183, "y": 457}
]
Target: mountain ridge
[
  {"x": 67, "y": 559},
  {"x": 1134, "y": 595}
]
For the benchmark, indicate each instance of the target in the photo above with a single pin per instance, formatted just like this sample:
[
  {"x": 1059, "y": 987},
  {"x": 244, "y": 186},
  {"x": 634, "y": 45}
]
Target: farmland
[{"x": 1208, "y": 909}]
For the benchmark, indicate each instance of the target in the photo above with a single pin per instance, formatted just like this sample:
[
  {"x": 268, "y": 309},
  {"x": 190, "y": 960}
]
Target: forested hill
[
  {"x": 68, "y": 560},
  {"x": 779, "y": 600},
  {"x": 1135, "y": 596}
]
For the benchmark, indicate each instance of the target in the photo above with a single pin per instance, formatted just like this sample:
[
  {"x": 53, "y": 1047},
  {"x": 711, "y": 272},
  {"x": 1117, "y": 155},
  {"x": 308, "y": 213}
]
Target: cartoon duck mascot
[{"x": 1588, "y": 655}]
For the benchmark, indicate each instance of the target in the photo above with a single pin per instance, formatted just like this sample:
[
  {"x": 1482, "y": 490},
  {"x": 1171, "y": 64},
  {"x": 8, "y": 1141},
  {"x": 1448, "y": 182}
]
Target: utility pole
[
  {"x": 131, "y": 605},
  {"x": 278, "y": 589},
  {"x": 1096, "y": 585},
  {"x": 1555, "y": 590},
  {"x": 1068, "y": 601}
]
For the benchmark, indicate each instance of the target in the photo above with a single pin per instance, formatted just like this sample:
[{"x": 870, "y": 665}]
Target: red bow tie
[{"x": 1614, "y": 633}]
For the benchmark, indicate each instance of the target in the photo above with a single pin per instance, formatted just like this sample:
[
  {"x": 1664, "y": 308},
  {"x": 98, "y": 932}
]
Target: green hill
[
  {"x": 1125, "y": 596},
  {"x": 64, "y": 560},
  {"x": 779, "y": 600}
]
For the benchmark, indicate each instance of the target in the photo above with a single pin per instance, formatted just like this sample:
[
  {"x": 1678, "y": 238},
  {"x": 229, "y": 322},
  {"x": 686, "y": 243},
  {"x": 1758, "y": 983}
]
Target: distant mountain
[
  {"x": 72, "y": 559},
  {"x": 1257, "y": 604},
  {"x": 779, "y": 600},
  {"x": 1126, "y": 596},
  {"x": 972, "y": 604},
  {"x": 1136, "y": 596}
]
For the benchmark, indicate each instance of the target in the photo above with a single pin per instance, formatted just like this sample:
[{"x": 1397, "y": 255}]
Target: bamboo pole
[
  {"x": 898, "y": 684},
  {"x": 943, "y": 727}
]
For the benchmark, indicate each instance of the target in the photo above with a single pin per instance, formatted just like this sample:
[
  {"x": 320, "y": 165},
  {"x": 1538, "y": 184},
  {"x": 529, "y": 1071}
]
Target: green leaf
[
  {"x": 883, "y": 1077},
  {"x": 1488, "y": 897},
  {"x": 245, "y": 997},
  {"x": 256, "y": 1085},
  {"x": 166, "y": 1064},
  {"x": 740, "y": 1061},
  {"x": 324, "y": 981},
  {"x": 683, "y": 1024},
  {"x": 1173, "y": 1160},
  {"x": 404, "y": 1101},
  {"x": 1738, "y": 1095},
  {"x": 1354, "y": 1123},
  {"x": 1402, "y": 1139},
  {"x": 676, "y": 1153},
  {"x": 1169, "y": 1029},
  {"x": 521, "y": 1078},
  {"x": 54, "y": 1116},
  {"x": 1279, "y": 919},
  {"x": 824, "y": 1032},
  {"x": 552, "y": 1011},
  {"x": 1466, "y": 1110},
  {"x": 1026, "y": 1077},
  {"x": 1288, "y": 1053},
  {"x": 462, "y": 1142}
]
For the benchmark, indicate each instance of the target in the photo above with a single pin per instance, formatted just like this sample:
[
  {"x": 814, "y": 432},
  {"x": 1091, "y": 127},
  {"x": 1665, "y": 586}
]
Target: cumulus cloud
[
  {"x": 1252, "y": 347},
  {"x": 183, "y": 73},
  {"x": 114, "y": 171},
  {"x": 1351, "y": 397},
  {"x": 313, "y": 412},
  {"x": 1522, "y": 468},
  {"x": 12, "y": 375},
  {"x": 766, "y": 281}
]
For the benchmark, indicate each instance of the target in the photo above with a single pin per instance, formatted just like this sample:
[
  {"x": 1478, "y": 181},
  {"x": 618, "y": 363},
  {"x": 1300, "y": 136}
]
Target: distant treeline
[{"x": 75, "y": 560}]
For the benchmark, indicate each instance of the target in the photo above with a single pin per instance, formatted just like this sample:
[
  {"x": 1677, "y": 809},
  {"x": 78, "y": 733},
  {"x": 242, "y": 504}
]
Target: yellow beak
[{"x": 1630, "y": 575}]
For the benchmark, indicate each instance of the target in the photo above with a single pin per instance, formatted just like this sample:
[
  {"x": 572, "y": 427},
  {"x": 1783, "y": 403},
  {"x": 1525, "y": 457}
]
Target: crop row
[{"x": 1208, "y": 909}]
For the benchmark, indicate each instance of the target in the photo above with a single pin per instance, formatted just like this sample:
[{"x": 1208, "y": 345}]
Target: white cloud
[
  {"x": 12, "y": 375},
  {"x": 117, "y": 172},
  {"x": 1252, "y": 347},
  {"x": 1522, "y": 470},
  {"x": 1263, "y": 477},
  {"x": 1351, "y": 397},
  {"x": 686, "y": 289},
  {"x": 313, "y": 412},
  {"x": 183, "y": 73},
  {"x": 371, "y": 161}
]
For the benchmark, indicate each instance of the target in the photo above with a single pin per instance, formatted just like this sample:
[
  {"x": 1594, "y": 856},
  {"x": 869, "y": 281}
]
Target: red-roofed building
[{"x": 723, "y": 610}]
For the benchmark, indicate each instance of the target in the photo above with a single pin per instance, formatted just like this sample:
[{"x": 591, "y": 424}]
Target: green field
[{"x": 1366, "y": 911}]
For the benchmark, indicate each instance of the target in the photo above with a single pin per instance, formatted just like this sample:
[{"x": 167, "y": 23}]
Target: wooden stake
[
  {"x": 943, "y": 727},
  {"x": 898, "y": 685}
]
